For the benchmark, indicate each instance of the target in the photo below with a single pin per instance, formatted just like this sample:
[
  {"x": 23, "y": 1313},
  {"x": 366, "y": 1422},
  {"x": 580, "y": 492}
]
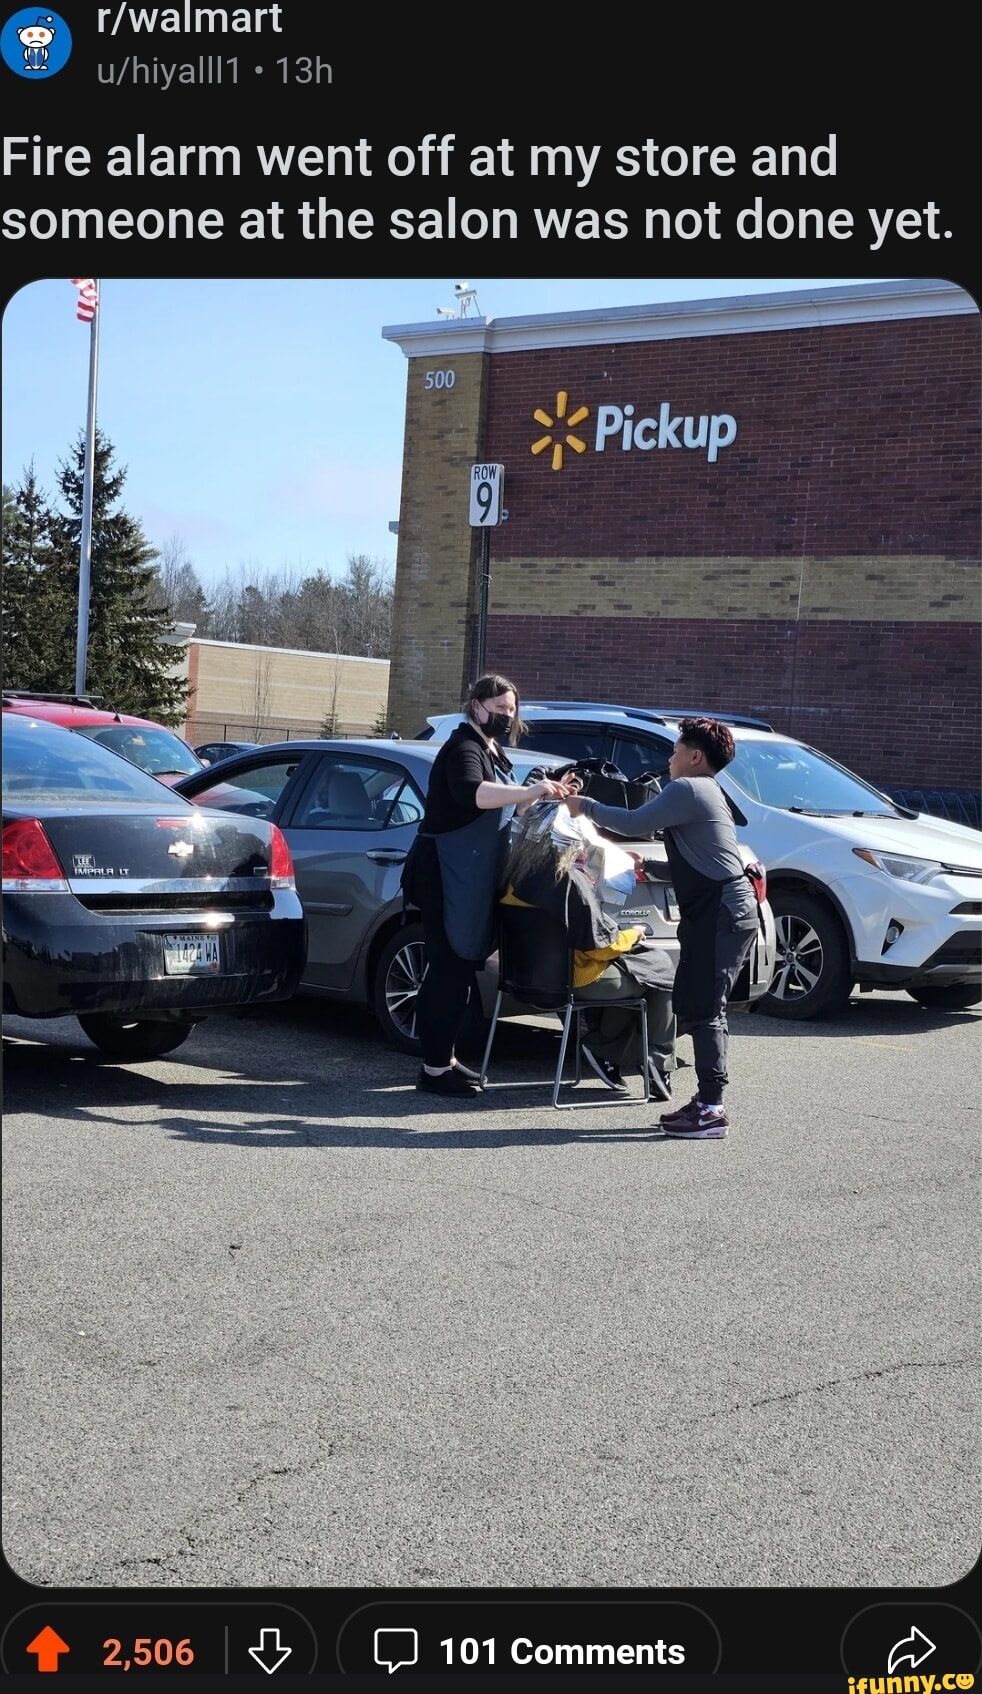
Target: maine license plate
[{"x": 192, "y": 955}]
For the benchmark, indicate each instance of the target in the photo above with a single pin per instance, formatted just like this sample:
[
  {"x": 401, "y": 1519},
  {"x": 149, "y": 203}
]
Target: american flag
[{"x": 88, "y": 298}]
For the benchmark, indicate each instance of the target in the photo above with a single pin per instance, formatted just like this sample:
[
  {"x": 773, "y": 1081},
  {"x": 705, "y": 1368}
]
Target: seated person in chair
[{"x": 609, "y": 964}]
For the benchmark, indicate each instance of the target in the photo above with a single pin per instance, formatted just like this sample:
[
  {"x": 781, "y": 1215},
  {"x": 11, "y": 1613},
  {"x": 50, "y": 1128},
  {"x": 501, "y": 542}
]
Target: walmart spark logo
[{"x": 561, "y": 424}]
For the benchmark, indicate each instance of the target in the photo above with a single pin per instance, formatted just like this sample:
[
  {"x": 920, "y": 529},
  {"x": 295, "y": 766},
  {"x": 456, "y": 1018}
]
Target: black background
[{"x": 903, "y": 117}]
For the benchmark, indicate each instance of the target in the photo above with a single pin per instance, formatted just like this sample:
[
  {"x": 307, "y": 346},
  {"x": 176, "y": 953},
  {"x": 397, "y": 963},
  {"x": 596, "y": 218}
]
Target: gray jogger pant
[{"x": 710, "y": 1038}]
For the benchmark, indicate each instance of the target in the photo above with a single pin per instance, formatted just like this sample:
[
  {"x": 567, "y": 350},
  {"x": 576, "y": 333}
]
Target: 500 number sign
[{"x": 439, "y": 379}]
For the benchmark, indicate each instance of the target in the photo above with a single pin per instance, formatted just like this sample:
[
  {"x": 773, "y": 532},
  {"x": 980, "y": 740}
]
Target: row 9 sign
[{"x": 487, "y": 488}]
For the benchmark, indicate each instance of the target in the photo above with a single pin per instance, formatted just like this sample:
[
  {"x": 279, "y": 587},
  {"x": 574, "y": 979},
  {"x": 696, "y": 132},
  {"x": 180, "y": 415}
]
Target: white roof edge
[
  {"x": 293, "y": 652},
  {"x": 740, "y": 314}
]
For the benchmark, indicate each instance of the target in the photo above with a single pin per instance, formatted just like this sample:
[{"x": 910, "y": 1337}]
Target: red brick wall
[
  {"x": 822, "y": 574},
  {"x": 852, "y": 439},
  {"x": 896, "y": 702}
]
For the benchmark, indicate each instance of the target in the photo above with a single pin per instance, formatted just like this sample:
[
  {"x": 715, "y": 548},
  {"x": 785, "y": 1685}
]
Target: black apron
[
  {"x": 471, "y": 861},
  {"x": 698, "y": 899}
]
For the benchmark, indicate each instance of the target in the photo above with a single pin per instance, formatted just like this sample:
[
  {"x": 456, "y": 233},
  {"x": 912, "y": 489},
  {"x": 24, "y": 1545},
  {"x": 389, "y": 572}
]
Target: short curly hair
[{"x": 711, "y": 737}]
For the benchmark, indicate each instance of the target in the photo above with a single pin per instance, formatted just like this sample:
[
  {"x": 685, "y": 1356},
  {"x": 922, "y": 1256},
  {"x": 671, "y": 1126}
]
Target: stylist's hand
[
  {"x": 548, "y": 790},
  {"x": 573, "y": 803}
]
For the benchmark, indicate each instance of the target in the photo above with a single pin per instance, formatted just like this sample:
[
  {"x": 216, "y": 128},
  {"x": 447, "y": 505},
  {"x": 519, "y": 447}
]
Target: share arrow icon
[
  {"x": 276, "y": 1652},
  {"x": 906, "y": 1651}
]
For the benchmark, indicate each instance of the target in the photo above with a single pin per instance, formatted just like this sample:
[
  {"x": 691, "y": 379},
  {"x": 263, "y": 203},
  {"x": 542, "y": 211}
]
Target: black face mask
[{"x": 497, "y": 725}]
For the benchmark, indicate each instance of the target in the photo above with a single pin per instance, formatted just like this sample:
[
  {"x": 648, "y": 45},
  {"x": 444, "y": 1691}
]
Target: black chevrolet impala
[{"x": 130, "y": 908}]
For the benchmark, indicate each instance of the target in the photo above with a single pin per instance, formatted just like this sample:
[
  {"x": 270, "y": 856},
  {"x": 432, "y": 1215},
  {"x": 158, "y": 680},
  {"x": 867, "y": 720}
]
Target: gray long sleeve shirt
[{"x": 696, "y": 812}]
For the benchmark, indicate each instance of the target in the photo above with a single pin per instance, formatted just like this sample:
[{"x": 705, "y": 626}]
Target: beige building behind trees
[{"x": 265, "y": 694}]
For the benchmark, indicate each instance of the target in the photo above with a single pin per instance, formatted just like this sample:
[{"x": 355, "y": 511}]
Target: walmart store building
[{"x": 767, "y": 504}]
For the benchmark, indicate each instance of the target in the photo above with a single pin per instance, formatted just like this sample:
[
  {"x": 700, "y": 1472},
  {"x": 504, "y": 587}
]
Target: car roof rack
[
  {"x": 663, "y": 714},
  {"x": 52, "y": 699}
]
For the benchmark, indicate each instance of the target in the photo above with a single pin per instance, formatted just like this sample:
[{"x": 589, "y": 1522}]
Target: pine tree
[
  {"x": 128, "y": 666},
  {"x": 38, "y": 630}
]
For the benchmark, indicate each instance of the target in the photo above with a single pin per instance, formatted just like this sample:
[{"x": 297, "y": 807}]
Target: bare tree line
[{"x": 316, "y": 613}]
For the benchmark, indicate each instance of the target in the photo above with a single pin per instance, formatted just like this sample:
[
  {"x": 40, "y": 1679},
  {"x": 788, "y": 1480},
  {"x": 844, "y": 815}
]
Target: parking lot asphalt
[{"x": 273, "y": 1318}]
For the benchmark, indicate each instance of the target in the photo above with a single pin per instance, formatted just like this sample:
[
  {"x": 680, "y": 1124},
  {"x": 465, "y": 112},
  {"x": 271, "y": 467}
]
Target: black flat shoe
[
  {"x": 608, "y": 1073},
  {"x": 447, "y": 1083},
  {"x": 659, "y": 1082}
]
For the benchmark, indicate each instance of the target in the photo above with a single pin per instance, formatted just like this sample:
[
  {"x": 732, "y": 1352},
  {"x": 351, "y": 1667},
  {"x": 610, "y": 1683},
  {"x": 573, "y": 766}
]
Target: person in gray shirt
[{"x": 717, "y": 906}]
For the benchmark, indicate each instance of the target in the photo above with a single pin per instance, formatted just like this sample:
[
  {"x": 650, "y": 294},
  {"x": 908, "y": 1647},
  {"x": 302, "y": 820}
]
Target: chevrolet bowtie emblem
[{"x": 181, "y": 849}]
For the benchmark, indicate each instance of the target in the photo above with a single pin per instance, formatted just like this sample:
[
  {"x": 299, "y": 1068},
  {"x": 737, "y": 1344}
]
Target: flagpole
[{"x": 88, "y": 478}]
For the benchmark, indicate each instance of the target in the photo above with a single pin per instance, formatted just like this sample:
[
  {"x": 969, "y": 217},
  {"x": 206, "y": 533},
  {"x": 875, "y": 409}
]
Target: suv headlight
[{"x": 908, "y": 870}]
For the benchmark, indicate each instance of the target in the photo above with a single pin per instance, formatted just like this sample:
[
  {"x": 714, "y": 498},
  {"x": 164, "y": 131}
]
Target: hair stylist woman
[{"x": 454, "y": 868}]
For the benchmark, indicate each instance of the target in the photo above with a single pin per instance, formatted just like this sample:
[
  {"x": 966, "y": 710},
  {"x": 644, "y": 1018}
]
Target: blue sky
[{"x": 260, "y": 421}]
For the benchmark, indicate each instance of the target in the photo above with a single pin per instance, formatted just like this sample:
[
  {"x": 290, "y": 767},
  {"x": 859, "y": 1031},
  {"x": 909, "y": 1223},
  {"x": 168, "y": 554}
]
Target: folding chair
[{"x": 535, "y": 967}]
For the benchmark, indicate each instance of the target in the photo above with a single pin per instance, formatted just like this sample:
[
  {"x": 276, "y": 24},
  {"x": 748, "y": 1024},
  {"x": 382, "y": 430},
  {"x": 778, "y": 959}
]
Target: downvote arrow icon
[
  {"x": 899, "y": 1656},
  {"x": 262, "y": 1652}
]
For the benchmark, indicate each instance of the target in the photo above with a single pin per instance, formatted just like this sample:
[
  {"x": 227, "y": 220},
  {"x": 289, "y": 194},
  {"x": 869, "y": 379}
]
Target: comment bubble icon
[{"x": 396, "y": 1647}]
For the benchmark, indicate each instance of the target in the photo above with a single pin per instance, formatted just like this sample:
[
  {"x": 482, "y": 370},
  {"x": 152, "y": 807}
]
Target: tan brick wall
[
  {"x": 436, "y": 572},
  {"x": 911, "y": 589},
  {"x": 267, "y": 694}
]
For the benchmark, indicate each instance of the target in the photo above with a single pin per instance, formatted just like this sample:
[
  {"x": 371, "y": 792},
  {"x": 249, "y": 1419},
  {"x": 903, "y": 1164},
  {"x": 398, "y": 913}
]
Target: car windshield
[
  {"x": 45, "y": 765},
  {"x": 154, "y": 750},
  {"x": 797, "y": 779}
]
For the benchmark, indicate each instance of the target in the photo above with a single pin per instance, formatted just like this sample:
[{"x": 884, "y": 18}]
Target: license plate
[
  {"x": 671, "y": 906},
  {"x": 192, "y": 955}
]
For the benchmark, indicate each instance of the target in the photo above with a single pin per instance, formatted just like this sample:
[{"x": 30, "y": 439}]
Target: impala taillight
[
  {"x": 280, "y": 860},
  {"x": 29, "y": 860}
]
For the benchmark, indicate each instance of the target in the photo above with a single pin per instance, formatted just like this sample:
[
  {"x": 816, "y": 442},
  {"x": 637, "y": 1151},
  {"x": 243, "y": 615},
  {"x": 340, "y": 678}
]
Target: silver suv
[{"x": 863, "y": 890}]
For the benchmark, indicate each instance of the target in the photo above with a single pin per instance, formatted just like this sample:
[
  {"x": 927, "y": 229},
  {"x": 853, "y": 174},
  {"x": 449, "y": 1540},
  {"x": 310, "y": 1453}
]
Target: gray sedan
[{"x": 350, "y": 810}]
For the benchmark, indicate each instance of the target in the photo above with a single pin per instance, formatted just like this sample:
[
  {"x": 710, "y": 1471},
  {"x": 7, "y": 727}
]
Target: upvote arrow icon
[
  {"x": 48, "y": 1645},
  {"x": 906, "y": 1651},
  {"x": 275, "y": 1652}
]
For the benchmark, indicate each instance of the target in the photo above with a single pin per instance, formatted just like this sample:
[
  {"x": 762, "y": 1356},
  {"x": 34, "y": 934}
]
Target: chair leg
[
  {"x": 487, "y": 1050},
  {"x": 571, "y": 1024},
  {"x": 577, "y": 1034},
  {"x": 574, "y": 1011},
  {"x": 571, "y": 1012}
]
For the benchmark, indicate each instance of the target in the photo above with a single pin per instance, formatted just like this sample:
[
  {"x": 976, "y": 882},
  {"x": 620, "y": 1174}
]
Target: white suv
[{"x": 863, "y": 890}]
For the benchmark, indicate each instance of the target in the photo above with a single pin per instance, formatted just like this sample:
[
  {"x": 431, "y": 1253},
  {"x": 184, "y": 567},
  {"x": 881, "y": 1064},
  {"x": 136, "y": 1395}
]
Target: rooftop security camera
[{"x": 466, "y": 298}]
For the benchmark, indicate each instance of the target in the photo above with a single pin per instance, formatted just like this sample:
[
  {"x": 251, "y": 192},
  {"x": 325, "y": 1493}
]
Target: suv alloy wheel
[{"x": 812, "y": 976}]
